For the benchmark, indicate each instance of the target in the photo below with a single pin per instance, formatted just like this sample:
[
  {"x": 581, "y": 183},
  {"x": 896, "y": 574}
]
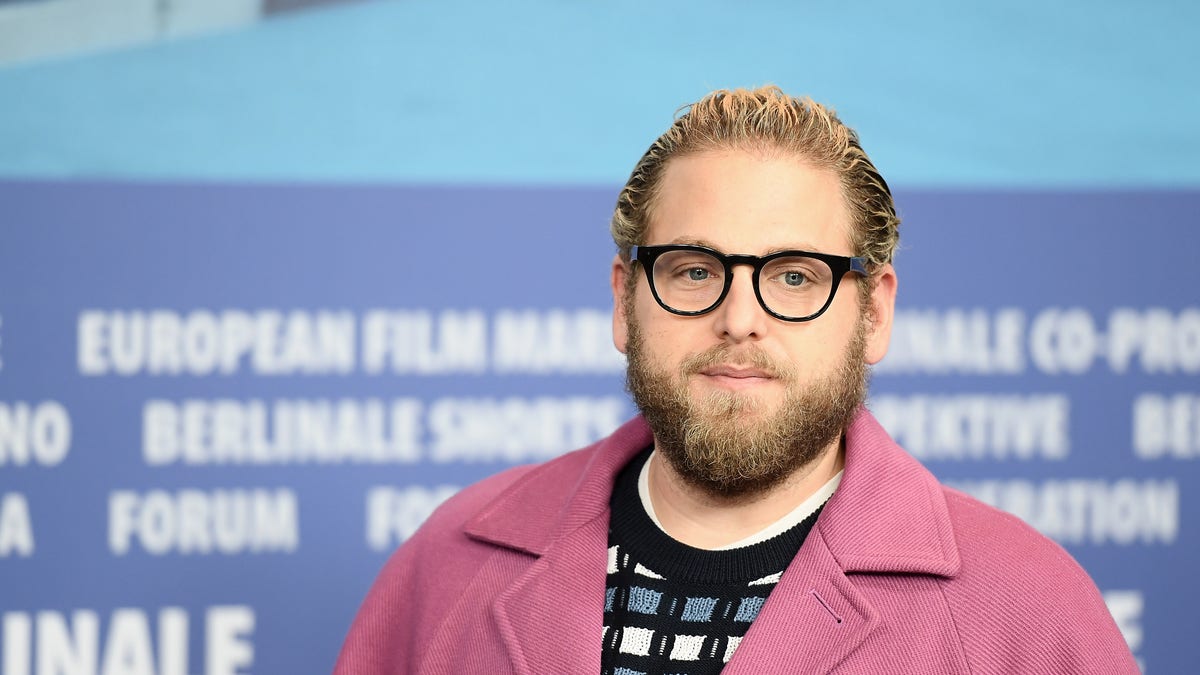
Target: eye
[
  {"x": 687, "y": 268},
  {"x": 796, "y": 274},
  {"x": 794, "y": 278}
]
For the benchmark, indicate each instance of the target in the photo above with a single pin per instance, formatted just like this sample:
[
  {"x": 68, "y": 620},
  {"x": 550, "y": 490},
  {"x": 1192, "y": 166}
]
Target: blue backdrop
[{"x": 267, "y": 297}]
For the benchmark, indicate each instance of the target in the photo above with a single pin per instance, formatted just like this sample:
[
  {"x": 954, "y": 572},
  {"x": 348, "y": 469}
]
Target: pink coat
[{"x": 899, "y": 575}]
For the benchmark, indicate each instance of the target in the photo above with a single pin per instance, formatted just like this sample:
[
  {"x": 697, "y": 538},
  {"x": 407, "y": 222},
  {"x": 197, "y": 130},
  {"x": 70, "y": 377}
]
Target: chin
[{"x": 723, "y": 403}]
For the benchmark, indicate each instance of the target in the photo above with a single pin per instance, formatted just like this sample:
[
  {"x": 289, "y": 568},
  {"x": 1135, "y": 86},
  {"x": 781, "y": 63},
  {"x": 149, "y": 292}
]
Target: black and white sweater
[{"x": 671, "y": 608}]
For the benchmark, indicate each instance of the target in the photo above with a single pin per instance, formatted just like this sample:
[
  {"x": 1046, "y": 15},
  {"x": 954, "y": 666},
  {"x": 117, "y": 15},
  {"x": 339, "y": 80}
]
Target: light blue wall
[{"x": 1019, "y": 94}]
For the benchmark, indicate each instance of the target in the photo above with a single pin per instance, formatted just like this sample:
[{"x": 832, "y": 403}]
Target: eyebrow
[{"x": 694, "y": 241}]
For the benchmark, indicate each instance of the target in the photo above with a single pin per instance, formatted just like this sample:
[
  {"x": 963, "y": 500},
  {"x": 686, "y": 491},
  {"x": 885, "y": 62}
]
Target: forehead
[{"x": 742, "y": 201}]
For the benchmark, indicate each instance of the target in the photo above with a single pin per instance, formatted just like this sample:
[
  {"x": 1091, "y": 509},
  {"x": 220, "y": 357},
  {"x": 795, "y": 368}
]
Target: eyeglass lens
[{"x": 792, "y": 286}]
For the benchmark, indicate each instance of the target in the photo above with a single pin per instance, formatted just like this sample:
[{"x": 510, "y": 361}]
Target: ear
[
  {"x": 882, "y": 309},
  {"x": 620, "y": 272}
]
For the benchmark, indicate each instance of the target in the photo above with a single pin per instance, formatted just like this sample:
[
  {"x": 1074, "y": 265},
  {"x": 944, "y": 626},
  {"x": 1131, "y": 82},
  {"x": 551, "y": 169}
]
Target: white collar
[{"x": 785, "y": 523}]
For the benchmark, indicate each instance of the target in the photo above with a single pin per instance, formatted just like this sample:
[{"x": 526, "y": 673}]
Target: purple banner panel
[{"x": 222, "y": 406}]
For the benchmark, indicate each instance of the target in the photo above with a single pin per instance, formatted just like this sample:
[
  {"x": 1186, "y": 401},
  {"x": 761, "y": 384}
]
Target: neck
[{"x": 702, "y": 520}]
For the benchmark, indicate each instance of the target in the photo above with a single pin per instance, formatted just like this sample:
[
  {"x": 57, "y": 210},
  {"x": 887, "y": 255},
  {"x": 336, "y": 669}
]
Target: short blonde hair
[{"x": 766, "y": 119}]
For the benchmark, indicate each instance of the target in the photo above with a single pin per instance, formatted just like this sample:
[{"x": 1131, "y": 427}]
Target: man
[{"x": 756, "y": 518}]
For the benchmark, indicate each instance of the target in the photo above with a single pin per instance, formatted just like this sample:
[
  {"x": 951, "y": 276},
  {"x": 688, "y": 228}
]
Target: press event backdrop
[{"x": 268, "y": 297}]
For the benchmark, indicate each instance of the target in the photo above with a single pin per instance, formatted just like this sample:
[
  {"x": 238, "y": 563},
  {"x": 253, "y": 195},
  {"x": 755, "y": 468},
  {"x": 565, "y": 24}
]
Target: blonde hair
[{"x": 766, "y": 119}]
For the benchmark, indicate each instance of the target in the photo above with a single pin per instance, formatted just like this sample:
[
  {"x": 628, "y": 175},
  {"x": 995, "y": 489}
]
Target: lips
[
  {"x": 736, "y": 372},
  {"x": 736, "y": 368}
]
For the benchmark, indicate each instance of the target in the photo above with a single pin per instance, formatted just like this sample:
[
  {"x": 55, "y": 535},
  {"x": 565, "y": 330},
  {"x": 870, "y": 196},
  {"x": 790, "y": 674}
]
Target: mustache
[{"x": 723, "y": 354}]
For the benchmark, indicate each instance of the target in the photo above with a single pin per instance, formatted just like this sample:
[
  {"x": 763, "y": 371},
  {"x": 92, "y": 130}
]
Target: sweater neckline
[{"x": 632, "y": 528}]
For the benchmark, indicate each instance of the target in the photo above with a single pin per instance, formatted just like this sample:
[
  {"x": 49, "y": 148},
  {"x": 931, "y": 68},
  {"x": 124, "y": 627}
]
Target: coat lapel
[
  {"x": 813, "y": 619},
  {"x": 888, "y": 516},
  {"x": 551, "y": 619}
]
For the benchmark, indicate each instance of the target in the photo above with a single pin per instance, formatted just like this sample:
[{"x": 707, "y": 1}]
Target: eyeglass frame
[{"x": 840, "y": 265}]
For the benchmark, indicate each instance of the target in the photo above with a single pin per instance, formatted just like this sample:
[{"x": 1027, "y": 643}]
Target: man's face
[{"x": 737, "y": 399}]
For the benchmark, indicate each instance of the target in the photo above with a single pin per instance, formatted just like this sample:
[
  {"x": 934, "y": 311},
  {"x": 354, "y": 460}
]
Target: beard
[{"x": 723, "y": 442}]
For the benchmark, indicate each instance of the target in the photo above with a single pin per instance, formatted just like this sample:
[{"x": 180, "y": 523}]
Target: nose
[{"x": 740, "y": 317}]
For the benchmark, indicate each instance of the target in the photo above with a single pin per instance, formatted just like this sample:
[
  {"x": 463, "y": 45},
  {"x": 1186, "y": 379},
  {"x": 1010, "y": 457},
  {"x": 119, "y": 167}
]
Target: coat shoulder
[
  {"x": 423, "y": 580},
  {"x": 1021, "y": 603},
  {"x": 984, "y": 532}
]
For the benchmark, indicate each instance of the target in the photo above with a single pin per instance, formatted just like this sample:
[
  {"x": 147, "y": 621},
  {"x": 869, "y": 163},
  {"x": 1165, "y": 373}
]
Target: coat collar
[
  {"x": 888, "y": 514},
  {"x": 554, "y": 498}
]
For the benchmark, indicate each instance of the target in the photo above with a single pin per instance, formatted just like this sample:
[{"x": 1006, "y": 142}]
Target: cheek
[
  {"x": 667, "y": 339},
  {"x": 815, "y": 349},
  {"x": 652, "y": 320},
  {"x": 838, "y": 324},
  {"x": 661, "y": 339}
]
